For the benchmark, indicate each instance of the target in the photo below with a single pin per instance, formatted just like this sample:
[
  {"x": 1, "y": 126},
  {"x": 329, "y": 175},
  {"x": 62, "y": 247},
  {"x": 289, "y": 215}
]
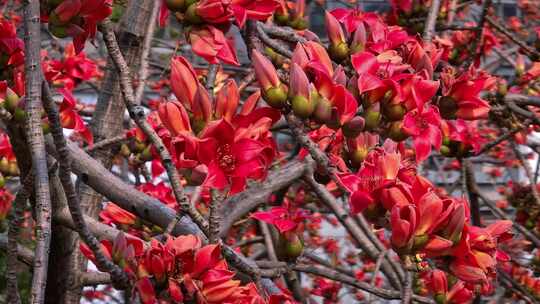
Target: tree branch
[
  {"x": 34, "y": 133},
  {"x": 120, "y": 278},
  {"x": 137, "y": 114},
  {"x": 429, "y": 29}
]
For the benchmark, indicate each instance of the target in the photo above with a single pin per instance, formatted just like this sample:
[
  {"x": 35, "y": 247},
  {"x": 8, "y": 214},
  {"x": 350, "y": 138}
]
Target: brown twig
[
  {"x": 501, "y": 215},
  {"x": 95, "y": 278},
  {"x": 119, "y": 277},
  {"x": 513, "y": 37},
  {"x": 249, "y": 241},
  {"x": 145, "y": 52},
  {"x": 214, "y": 217},
  {"x": 407, "y": 292},
  {"x": 429, "y": 28},
  {"x": 528, "y": 172},
  {"x": 34, "y": 132},
  {"x": 350, "y": 225},
  {"x": 16, "y": 220},
  {"x": 106, "y": 143},
  {"x": 211, "y": 78},
  {"x": 470, "y": 181},
  {"x": 284, "y": 33},
  {"x": 271, "y": 42},
  {"x": 137, "y": 114},
  {"x": 317, "y": 259},
  {"x": 339, "y": 277},
  {"x": 241, "y": 204},
  {"x": 24, "y": 255},
  {"x": 265, "y": 230},
  {"x": 516, "y": 287},
  {"x": 246, "y": 81},
  {"x": 478, "y": 41},
  {"x": 323, "y": 162}
]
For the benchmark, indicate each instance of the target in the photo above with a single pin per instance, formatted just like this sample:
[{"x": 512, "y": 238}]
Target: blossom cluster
[
  {"x": 210, "y": 20},
  {"x": 210, "y": 140},
  {"x": 180, "y": 269}
]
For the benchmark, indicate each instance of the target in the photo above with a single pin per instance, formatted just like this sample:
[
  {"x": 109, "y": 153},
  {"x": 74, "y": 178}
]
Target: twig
[
  {"x": 24, "y": 255},
  {"x": 429, "y": 28},
  {"x": 268, "y": 241},
  {"x": 119, "y": 277},
  {"x": 499, "y": 140},
  {"x": 145, "y": 52},
  {"x": 95, "y": 278},
  {"x": 137, "y": 114},
  {"x": 239, "y": 205},
  {"x": 523, "y": 99},
  {"x": 501, "y": 215},
  {"x": 523, "y": 112},
  {"x": 350, "y": 225},
  {"x": 323, "y": 162},
  {"x": 528, "y": 172},
  {"x": 513, "y": 37},
  {"x": 479, "y": 33},
  {"x": 211, "y": 78},
  {"x": 517, "y": 288},
  {"x": 106, "y": 143},
  {"x": 336, "y": 276},
  {"x": 470, "y": 181},
  {"x": 407, "y": 289},
  {"x": 214, "y": 218},
  {"x": 16, "y": 220},
  {"x": 246, "y": 81},
  {"x": 317, "y": 259},
  {"x": 378, "y": 264},
  {"x": 245, "y": 242},
  {"x": 271, "y": 42},
  {"x": 34, "y": 131},
  {"x": 283, "y": 33}
]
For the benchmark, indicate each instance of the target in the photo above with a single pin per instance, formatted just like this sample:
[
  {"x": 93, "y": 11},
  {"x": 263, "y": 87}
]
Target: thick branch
[
  {"x": 34, "y": 133},
  {"x": 242, "y": 203}
]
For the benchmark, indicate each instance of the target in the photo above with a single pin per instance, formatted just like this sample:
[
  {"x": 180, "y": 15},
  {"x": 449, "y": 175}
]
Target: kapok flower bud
[
  {"x": 338, "y": 49},
  {"x": 372, "y": 116},
  {"x": 265, "y": 71},
  {"x": 300, "y": 92},
  {"x": 183, "y": 81},
  {"x": 227, "y": 100},
  {"x": 395, "y": 131},
  {"x": 359, "y": 39},
  {"x": 192, "y": 15},
  {"x": 454, "y": 227},
  {"x": 323, "y": 109},
  {"x": 403, "y": 221},
  {"x": 176, "y": 5},
  {"x": 448, "y": 107},
  {"x": 353, "y": 127},
  {"x": 394, "y": 111},
  {"x": 273, "y": 92},
  {"x": 12, "y": 100},
  {"x": 290, "y": 246},
  {"x": 175, "y": 117},
  {"x": 202, "y": 109}
]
